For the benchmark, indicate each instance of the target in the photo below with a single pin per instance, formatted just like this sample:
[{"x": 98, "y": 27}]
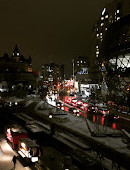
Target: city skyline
[{"x": 49, "y": 31}]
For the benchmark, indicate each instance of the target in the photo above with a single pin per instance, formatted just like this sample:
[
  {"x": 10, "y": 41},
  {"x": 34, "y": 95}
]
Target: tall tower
[{"x": 16, "y": 54}]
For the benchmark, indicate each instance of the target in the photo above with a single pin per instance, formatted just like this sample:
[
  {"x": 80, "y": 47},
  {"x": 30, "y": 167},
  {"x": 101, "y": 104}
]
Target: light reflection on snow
[
  {"x": 6, "y": 147},
  {"x": 6, "y": 152}
]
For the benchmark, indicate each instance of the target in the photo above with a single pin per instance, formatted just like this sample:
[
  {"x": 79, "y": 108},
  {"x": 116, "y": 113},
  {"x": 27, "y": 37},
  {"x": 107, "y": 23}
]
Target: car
[
  {"x": 79, "y": 103},
  {"x": 73, "y": 110},
  {"x": 104, "y": 111},
  {"x": 59, "y": 104},
  {"x": 113, "y": 117},
  {"x": 68, "y": 101},
  {"x": 74, "y": 102},
  {"x": 79, "y": 106},
  {"x": 85, "y": 104},
  {"x": 92, "y": 109}
]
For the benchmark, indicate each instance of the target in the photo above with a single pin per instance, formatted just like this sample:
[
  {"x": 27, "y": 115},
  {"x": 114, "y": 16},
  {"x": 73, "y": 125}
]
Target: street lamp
[{"x": 50, "y": 117}]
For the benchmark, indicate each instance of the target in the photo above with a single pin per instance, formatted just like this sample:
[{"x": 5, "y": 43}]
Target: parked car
[
  {"x": 104, "y": 111},
  {"x": 92, "y": 109},
  {"x": 73, "y": 110},
  {"x": 59, "y": 104},
  {"x": 79, "y": 106},
  {"x": 74, "y": 102},
  {"x": 113, "y": 117}
]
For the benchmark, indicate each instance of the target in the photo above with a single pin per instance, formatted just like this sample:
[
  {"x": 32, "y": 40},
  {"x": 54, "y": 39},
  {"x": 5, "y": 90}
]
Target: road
[
  {"x": 31, "y": 109},
  {"x": 122, "y": 123}
]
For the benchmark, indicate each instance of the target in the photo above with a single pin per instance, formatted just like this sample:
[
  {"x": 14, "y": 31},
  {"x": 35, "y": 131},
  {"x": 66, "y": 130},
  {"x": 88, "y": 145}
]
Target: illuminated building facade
[
  {"x": 16, "y": 69},
  {"x": 53, "y": 73},
  {"x": 112, "y": 48},
  {"x": 81, "y": 65},
  {"x": 83, "y": 74}
]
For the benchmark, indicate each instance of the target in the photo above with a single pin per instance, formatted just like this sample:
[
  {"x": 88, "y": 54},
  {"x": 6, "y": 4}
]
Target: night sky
[{"x": 48, "y": 30}]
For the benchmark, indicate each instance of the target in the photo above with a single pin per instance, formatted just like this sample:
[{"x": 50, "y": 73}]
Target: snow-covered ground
[{"x": 79, "y": 126}]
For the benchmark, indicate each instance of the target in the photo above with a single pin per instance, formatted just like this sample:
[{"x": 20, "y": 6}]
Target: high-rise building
[
  {"x": 112, "y": 49},
  {"x": 84, "y": 75},
  {"x": 53, "y": 73},
  {"x": 81, "y": 65}
]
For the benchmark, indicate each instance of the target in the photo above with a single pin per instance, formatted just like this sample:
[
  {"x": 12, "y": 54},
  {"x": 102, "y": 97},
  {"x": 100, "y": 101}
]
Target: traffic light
[{"x": 58, "y": 86}]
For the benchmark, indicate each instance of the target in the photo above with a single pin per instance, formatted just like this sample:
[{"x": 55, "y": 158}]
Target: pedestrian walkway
[{"x": 6, "y": 155}]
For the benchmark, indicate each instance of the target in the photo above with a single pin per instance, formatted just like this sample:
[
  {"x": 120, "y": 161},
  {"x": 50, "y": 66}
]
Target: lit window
[
  {"x": 96, "y": 55},
  {"x": 102, "y": 24},
  {"x": 97, "y": 29},
  {"x": 118, "y": 18},
  {"x": 17, "y": 53},
  {"x": 29, "y": 69},
  {"x": 103, "y": 11},
  {"x": 97, "y": 52},
  {"x": 102, "y": 18},
  {"x": 100, "y": 36},
  {"x": 102, "y": 64},
  {"x": 106, "y": 16},
  {"x": 23, "y": 145},
  {"x": 101, "y": 33},
  {"x": 105, "y": 29},
  {"x": 117, "y": 11},
  {"x": 77, "y": 61},
  {"x": 97, "y": 35},
  {"x": 97, "y": 46},
  {"x": 81, "y": 61}
]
